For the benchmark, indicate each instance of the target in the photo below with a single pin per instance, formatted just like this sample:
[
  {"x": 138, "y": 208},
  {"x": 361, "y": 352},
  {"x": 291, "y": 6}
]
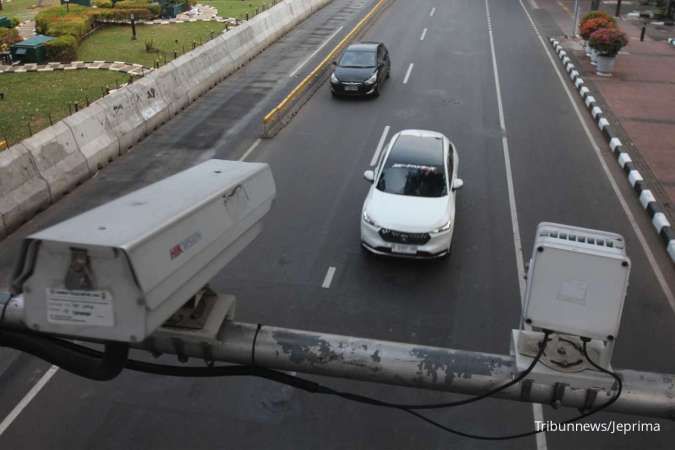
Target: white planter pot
[
  {"x": 594, "y": 56},
  {"x": 605, "y": 65}
]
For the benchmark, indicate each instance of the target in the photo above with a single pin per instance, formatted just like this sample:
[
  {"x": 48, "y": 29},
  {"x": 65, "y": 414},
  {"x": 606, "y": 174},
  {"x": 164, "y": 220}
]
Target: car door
[
  {"x": 451, "y": 165},
  {"x": 380, "y": 63}
]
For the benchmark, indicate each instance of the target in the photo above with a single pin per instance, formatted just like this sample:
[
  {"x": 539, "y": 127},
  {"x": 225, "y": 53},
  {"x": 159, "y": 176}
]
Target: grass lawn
[
  {"x": 235, "y": 8},
  {"x": 113, "y": 43},
  {"x": 25, "y": 9},
  {"x": 30, "y": 97}
]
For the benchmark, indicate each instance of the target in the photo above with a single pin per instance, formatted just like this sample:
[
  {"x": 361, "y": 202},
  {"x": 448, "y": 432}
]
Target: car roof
[
  {"x": 418, "y": 148},
  {"x": 363, "y": 46}
]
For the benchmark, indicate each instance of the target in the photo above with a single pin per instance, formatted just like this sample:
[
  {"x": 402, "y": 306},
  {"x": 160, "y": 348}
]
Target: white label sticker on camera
[{"x": 75, "y": 307}]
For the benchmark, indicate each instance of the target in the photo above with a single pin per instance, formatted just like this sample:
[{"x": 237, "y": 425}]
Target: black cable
[
  {"x": 255, "y": 341},
  {"x": 4, "y": 308},
  {"x": 102, "y": 367}
]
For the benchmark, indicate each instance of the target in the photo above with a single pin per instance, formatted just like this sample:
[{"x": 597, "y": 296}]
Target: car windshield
[
  {"x": 353, "y": 58},
  {"x": 414, "y": 167}
]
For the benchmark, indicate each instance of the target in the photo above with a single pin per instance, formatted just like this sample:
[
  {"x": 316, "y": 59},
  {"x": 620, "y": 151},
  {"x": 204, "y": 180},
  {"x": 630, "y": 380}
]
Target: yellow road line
[{"x": 317, "y": 70}]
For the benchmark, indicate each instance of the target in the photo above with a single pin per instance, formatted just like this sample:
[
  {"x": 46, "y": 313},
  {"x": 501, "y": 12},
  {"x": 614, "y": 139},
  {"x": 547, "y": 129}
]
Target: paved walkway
[
  {"x": 640, "y": 95},
  {"x": 26, "y": 29}
]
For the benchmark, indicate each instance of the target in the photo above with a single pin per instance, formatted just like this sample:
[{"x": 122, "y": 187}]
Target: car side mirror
[
  {"x": 457, "y": 184},
  {"x": 369, "y": 175}
]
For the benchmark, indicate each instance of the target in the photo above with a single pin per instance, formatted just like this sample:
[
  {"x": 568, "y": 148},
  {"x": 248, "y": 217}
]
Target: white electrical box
[
  {"x": 119, "y": 271},
  {"x": 577, "y": 281}
]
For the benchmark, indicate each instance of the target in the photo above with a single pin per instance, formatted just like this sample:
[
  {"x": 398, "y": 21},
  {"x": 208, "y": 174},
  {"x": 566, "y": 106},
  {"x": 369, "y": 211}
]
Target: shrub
[
  {"x": 8, "y": 36},
  {"x": 592, "y": 25},
  {"x": 594, "y": 15},
  {"x": 124, "y": 14},
  {"x": 59, "y": 22},
  {"x": 13, "y": 22},
  {"x": 103, "y": 3},
  {"x": 608, "y": 41},
  {"x": 63, "y": 49}
]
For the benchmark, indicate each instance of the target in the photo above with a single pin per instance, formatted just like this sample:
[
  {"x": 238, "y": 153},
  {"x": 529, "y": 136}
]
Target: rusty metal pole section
[{"x": 394, "y": 363}]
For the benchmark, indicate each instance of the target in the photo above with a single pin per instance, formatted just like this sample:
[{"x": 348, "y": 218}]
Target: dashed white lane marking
[
  {"x": 25, "y": 401},
  {"x": 537, "y": 411},
  {"x": 433, "y": 11},
  {"x": 380, "y": 145},
  {"x": 407, "y": 73},
  {"x": 302, "y": 64},
  {"x": 329, "y": 277},
  {"x": 250, "y": 149},
  {"x": 424, "y": 33},
  {"x": 660, "y": 278}
]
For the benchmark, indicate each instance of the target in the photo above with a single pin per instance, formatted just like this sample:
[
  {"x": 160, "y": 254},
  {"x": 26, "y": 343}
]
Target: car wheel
[{"x": 388, "y": 74}]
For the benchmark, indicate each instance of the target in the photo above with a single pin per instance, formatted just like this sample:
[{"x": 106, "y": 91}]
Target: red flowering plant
[
  {"x": 608, "y": 41},
  {"x": 592, "y": 25}
]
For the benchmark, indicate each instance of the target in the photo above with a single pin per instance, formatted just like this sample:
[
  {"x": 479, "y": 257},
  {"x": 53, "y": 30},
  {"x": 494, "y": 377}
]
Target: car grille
[{"x": 401, "y": 237}]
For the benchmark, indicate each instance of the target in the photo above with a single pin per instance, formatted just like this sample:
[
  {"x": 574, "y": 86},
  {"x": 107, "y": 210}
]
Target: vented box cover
[{"x": 577, "y": 281}]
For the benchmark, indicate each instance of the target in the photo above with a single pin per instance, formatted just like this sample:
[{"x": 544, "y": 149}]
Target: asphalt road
[{"x": 470, "y": 300}]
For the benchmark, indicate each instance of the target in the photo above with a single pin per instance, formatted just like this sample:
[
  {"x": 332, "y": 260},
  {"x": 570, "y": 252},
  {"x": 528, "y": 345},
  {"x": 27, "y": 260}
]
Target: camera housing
[{"x": 117, "y": 272}]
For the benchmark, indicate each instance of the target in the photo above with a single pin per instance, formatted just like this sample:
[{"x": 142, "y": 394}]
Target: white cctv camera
[{"x": 119, "y": 271}]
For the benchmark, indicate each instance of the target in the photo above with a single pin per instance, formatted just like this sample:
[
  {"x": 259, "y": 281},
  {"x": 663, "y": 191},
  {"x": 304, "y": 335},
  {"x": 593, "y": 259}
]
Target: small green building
[
  {"x": 5, "y": 22},
  {"x": 31, "y": 50}
]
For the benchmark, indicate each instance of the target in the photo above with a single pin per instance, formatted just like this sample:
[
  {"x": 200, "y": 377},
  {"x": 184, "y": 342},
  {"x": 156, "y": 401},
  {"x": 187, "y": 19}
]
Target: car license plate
[
  {"x": 405, "y": 249},
  {"x": 351, "y": 88}
]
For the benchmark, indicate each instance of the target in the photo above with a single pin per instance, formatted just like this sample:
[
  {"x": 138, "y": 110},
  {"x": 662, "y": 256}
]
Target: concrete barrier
[
  {"x": 58, "y": 159},
  {"x": 91, "y": 130},
  {"x": 126, "y": 123},
  {"x": 23, "y": 192}
]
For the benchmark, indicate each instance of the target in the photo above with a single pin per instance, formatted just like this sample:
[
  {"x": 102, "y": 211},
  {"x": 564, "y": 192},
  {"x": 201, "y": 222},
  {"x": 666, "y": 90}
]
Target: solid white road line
[
  {"x": 631, "y": 218},
  {"x": 534, "y": 4},
  {"x": 35, "y": 390},
  {"x": 329, "y": 277},
  {"x": 424, "y": 33},
  {"x": 250, "y": 149},
  {"x": 433, "y": 11},
  {"x": 537, "y": 411},
  {"x": 407, "y": 73},
  {"x": 380, "y": 145},
  {"x": 328, "y": 39}
]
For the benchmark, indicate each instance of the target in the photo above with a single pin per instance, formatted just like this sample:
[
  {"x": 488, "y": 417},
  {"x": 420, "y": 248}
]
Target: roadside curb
[
  {"x": 115, "y": 66},
  {"x": 655, "y": 210}
]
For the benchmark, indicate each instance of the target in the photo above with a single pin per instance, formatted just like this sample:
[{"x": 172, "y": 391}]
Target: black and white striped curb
[
  {"x": 671, "y": 41},
  {"x": 647, "y": 200},
  {"x": 115, "y": 66}
]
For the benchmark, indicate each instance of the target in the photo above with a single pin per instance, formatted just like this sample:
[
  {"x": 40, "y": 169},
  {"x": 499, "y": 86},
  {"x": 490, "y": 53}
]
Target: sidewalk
[{"x": 640, "y": 96}]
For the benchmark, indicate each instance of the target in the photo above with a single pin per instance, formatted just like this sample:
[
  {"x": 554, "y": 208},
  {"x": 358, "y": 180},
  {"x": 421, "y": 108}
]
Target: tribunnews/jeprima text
[{"x": 611, "y": 427}]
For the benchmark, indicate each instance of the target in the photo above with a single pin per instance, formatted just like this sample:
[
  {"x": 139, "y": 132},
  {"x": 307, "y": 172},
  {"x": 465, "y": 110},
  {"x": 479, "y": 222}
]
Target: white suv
[{"x": 410, "y": 208}]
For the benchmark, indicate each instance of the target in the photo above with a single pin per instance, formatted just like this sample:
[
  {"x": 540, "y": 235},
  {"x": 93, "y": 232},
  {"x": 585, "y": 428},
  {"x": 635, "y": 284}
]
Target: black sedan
[{"x": 361, "y": 69}]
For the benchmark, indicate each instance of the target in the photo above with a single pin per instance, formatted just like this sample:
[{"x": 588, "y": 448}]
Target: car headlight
[
  {"x": 333, "y": 78},
  {"x": 372, "y": 79},
  {"x": 367, "y": 219},
  {"x": 443, "y": 228}
]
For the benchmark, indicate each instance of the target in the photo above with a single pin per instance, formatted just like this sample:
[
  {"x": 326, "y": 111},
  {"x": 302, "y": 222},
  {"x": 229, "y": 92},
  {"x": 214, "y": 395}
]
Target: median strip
[{"x": 281, "y": 114}]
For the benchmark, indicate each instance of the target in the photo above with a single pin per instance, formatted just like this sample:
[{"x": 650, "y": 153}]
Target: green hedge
[
  {"x": 125, "y": 14},
  {"x": 63, "y": 49},
  {"x": 59, "y": 22},
  {"x": 8, "y": 36},
  {"x": 13, "y": 22}
]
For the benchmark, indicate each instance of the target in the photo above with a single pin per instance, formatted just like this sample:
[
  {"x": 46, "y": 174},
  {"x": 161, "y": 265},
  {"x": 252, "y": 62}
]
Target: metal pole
[
  {"x": 575, "y": 24},
  {"x": 402, "y": 364},
  {"x": 617, "y": 13},
  {"x": 133, "y": 27}
]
